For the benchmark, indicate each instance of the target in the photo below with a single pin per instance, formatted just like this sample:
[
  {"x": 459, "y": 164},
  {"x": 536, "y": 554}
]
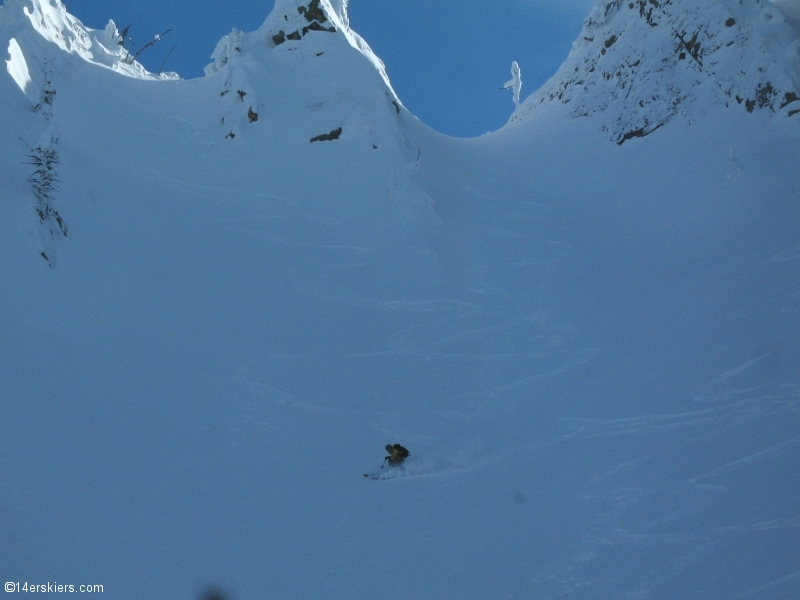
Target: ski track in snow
[
  {"x": 429, "y": 468},
  {"x": 783, "y": 523},
  {"x": 762, "y": 455},
  {"x": 760, "y": 590}
]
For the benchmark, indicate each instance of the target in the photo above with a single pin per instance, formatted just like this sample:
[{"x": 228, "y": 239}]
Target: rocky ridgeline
[
  {"x": 639, "y": 63},
  {"x": 314, "y": 17}
]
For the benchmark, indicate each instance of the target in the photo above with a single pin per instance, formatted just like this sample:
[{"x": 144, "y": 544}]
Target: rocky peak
[
  {"x": 637, "y": 64},
  {"x": 293, "y": 21},
  {"x": 297, "y": 18},
  {"x": 309, "y": 17}
]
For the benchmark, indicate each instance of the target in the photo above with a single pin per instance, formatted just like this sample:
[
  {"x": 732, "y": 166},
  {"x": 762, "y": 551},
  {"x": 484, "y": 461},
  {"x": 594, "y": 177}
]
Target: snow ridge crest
[
  {"x": 639, "y": 63},
  {"x": 294, "y": 22},
  {"x": 51, "y": 21}
]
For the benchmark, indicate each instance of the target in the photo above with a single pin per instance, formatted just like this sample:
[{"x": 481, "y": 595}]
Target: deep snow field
[{"x": 590, "y": 348}]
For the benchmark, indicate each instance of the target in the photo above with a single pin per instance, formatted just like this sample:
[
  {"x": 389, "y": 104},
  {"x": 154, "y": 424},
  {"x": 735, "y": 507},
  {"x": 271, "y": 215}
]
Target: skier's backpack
[{"x": 402, "y": 452}]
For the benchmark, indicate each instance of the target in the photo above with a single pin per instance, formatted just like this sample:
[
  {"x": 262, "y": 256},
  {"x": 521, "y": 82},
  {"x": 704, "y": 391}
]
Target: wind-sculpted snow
[
  {"x": 267, "y": 274},
  {"x": 51, "y": 21},
  {"x": 639, "y": 63},
  {"x": 790, "y": 8}
]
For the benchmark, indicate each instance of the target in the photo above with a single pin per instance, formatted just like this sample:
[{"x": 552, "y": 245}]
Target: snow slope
[{"x": 261, "y": 277}]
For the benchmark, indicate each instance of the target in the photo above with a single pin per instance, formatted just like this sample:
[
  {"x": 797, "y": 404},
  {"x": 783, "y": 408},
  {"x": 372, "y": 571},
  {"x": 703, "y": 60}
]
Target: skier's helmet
[{"x": 389, "y": 448}]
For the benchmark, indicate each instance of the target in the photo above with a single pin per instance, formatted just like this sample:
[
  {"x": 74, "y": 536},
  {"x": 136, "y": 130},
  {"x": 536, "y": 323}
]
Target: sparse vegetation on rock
[{"x": 44, "y": 181}]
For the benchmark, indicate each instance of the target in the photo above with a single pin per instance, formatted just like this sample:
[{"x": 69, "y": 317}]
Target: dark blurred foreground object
[{"x": 213, "y": 593}]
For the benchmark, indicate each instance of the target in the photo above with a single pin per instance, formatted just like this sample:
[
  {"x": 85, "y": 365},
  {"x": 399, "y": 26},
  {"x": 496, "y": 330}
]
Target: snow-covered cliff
[{"x": 637, "y": 64}]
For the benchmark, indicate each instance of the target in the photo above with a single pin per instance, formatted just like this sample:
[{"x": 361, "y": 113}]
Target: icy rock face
[
  {"x": 293, "y": 20},
  {"x": 307, "y": 18},
  {"x": 639, "y": 63},
  {"x": 289, "y": 21}
]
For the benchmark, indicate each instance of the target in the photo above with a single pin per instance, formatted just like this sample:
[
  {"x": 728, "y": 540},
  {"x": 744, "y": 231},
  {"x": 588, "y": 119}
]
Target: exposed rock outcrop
[{"x": 639, "y": 63}]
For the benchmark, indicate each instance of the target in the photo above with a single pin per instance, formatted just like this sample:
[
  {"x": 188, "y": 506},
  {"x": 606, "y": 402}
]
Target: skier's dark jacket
[{"x": 397, "y": 454}]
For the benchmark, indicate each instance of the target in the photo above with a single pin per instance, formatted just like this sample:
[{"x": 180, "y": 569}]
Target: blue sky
[{"x": 446, "y": 58}]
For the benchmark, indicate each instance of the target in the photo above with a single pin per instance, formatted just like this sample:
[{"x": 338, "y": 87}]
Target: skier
[{"x": 397, "y": 454}]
